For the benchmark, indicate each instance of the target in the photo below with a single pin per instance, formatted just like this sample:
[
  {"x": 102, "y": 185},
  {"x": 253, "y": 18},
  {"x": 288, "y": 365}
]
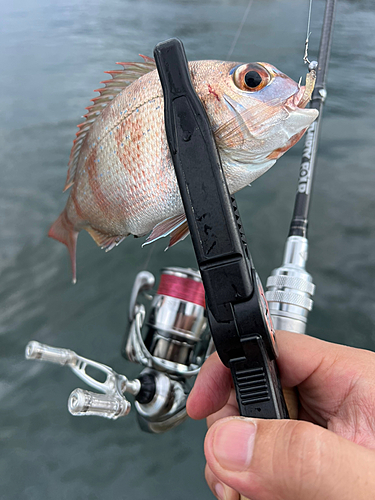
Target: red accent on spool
[{"x": 182, "y": 288}]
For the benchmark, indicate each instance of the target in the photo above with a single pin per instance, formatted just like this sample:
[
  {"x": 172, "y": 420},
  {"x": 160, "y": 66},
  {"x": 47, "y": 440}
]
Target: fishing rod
[{"x": 289, "y": 288}]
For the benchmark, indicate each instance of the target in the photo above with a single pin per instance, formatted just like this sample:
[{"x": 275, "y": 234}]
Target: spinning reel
[{"x": 172, "y": 350}]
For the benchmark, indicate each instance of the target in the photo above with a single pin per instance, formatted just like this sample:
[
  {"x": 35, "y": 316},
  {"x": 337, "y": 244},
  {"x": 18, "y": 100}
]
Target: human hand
[{"x": 329, "y": 453}]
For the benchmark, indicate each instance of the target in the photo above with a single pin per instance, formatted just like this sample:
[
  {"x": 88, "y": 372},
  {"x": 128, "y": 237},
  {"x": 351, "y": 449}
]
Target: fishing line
[
  {"x": 243, "y": 21},
  {"x": 308, "y": 33},
  {"x": 234, "y": 43},
  {"x": 148, "y": 257}
]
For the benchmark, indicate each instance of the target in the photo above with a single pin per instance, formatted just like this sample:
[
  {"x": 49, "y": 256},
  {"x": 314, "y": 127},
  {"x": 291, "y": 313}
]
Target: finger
[
  {"x": 229, "y": 410},
  {"x": 324, "y": 372},
  {"x": 211, "y": 389},
  {"x": 331, "y": 380},
  {"x": 219, "y": 489},
  {"x": 301, "y": 357},
  {"x": 288, "y": 460}
]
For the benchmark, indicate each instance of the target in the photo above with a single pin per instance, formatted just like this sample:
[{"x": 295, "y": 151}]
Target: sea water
[{"x": 52, "y": 56}]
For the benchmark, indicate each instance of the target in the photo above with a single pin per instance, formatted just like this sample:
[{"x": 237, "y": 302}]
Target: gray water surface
[{"x": 52, "y": 56}]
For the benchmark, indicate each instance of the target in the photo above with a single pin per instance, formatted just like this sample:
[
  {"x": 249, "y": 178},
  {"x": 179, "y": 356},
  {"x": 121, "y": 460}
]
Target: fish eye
[{"x": 251, "y": 77}]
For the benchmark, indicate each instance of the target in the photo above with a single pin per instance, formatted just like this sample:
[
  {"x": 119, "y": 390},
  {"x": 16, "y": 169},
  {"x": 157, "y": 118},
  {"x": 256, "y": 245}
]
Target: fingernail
[
  {"x": 233, "y": 444},
  {"x": 223, "y": 492},
  {"x": 219, "y": 491}
]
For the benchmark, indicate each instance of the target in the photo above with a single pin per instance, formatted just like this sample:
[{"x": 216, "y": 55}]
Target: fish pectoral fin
[
  {"x": 168, "y": 227},
  {"x": 178, "y": 234},
  {"x": 104, "y": 241}
]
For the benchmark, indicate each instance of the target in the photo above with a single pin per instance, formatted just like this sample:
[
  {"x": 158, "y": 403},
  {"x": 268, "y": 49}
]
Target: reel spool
[{"x": 176, "y": 339}]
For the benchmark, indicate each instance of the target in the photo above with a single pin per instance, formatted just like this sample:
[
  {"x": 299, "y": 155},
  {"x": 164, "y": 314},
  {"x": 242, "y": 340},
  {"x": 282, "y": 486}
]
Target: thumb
[{"x": 288, "y": 460}]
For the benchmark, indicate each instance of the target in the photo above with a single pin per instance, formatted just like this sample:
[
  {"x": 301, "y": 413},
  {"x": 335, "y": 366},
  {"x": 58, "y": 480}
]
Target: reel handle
[
  {"x": 86, "y": 403},
  {"x": 43, "y": 352}
]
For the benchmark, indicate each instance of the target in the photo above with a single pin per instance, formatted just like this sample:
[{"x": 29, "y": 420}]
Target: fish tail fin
[{"x": 63, "y": 230}]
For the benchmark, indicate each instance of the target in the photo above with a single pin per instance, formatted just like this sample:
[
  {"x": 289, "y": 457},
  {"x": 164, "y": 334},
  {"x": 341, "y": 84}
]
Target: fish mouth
[{"x": 303, "y": 95}]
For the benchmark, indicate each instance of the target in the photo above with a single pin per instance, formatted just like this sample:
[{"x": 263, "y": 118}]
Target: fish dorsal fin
[{"x": 120, "y": 80}]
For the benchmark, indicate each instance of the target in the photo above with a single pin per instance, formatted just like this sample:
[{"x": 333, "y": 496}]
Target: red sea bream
[{"x": 120, "y": 173}]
